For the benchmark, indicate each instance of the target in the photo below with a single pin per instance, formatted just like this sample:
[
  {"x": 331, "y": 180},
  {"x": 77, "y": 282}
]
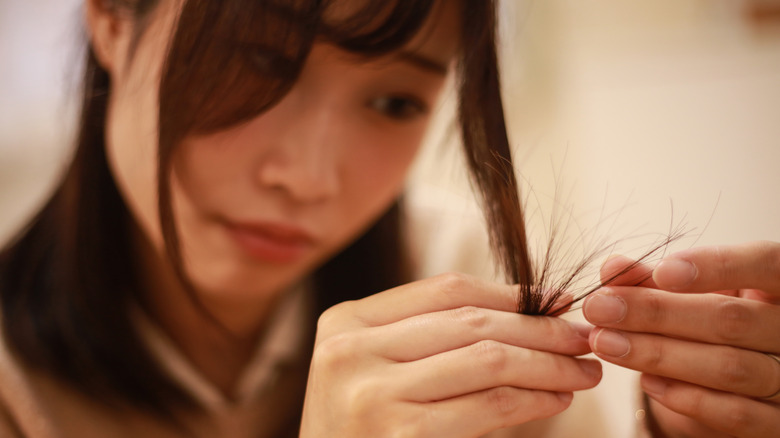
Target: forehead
[{"x": 439, "y": 37}]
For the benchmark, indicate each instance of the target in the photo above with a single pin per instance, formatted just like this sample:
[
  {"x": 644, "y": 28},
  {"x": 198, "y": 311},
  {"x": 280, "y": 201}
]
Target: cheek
[
  {"x": 383, "y": 171},
  {"x": 377, "y": 169},
  {"x": 215, "y": 172}
]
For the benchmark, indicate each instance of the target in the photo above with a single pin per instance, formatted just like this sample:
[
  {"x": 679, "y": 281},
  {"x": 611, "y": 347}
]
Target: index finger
[
  {"x": 619, "y": 270},
  {"x": 443, "y": 292},
  {"x": 754, "y": 265}
]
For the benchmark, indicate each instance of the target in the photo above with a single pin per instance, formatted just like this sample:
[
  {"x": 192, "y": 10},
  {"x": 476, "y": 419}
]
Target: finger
[
  {"x": 424, "y": 335},
  {"x": 670, "y": 424},
  {"x": 714, "y": 366},
  {"x": 490, "y": 364},
  {"x": 712, "y": 318},
  {"x": 443, "y": 292},
  {"x": 723, "y": 411},
  {"x": 561, "y": 306},
  {"x": 752, "y": 265},
  {"x": 479, "y": 413},
  {"x": 619, "y": 270}
]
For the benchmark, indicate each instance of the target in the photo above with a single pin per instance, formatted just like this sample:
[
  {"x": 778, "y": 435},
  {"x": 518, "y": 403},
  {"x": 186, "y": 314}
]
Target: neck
[{"x": 216, "y": 336}]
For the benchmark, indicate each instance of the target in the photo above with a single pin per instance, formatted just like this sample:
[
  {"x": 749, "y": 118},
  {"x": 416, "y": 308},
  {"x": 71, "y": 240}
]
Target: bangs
[{"x": 231, "y": 60}]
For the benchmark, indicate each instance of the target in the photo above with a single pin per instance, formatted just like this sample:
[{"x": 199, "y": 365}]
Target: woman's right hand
[{"x": 446, "y": 356}]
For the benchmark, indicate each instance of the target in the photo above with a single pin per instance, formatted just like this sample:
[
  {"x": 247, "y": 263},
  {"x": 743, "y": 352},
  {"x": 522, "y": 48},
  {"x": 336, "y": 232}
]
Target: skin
[
  {"x": 698, "y": 330},
  {"x": 444, "y": 355}
]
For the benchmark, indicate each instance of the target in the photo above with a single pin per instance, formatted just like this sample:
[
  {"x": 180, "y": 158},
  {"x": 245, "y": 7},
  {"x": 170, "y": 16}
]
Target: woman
[{"x": 238, "y": 172}]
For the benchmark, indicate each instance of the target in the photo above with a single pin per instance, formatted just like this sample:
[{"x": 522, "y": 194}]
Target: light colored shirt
[{"x": 36, "y": 406}]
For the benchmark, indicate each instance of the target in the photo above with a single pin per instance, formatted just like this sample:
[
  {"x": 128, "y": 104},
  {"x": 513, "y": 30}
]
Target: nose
[{"x": 303, "y": 159}]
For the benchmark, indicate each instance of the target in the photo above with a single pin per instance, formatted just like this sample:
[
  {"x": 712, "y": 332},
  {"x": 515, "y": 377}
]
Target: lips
[{"x": 271, "y": 242}]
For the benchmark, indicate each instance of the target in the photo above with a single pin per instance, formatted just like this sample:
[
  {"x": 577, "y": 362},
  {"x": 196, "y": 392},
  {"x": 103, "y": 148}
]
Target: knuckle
[
  {"x": 559, "y": 335},
  {"x": 325, "y": 320},
  {"x": 473, "y": 317},
  {"x": 492, "y": 355},
  {"x": 653, "y": 310},
  {"x": 361, "y": 396},
  {"x": 654, "y": 358},
  {"x": 724, "y": 269},
  {"x": 737, "y": 419},
  {"x": 734, "y": 320},
  {"x": 502, "y": 401},
  {"x": 733, "y": 370},
  {"x": 690, "y": 402},
  {"x": 335, "y": 351},
  {"x": 452, "y": 283},
  {"x": 332, "y": 316}
]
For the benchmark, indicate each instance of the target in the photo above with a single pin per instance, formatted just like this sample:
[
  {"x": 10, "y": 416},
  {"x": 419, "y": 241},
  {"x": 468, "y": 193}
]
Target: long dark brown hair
[{"x": 68, "y": 279}]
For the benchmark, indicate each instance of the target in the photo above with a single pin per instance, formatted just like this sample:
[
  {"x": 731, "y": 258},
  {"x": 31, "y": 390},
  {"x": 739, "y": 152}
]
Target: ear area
[{"x": 104, "y": 26}]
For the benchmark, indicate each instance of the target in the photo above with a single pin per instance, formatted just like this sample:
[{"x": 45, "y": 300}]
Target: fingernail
[
  {"x": 604, "y": 309},
  {"x": 590, "y": 367},
  {"x": 582, "y": 329},
  {"x": 653, "y": 385},
  {"x": 676, "y": 273},
  {"x": 611, "y": 343},
  {"x": 609, "y": 258}
]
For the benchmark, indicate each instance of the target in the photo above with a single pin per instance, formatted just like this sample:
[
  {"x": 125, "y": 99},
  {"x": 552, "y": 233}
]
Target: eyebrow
[{"x": 424, "y": 63}]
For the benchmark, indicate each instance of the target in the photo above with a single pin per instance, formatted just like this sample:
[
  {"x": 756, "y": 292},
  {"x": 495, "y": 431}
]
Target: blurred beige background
[
  {"x": 629, "y": 106},
  {"x": 647, "y": 101}
]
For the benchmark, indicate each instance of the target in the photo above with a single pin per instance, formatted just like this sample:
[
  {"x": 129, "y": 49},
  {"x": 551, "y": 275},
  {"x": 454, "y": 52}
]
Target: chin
[{"x": 238, "y": 280}]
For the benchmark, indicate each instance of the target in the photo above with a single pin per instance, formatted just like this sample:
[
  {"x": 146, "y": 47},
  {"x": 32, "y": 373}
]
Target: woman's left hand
[{"x": 709, "y": 360}]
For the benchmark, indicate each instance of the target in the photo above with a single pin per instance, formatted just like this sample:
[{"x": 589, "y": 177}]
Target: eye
[{"x": 399, "y": 107}]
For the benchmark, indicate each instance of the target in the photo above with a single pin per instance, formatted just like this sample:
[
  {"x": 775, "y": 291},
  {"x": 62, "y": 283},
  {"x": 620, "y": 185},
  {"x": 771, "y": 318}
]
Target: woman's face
[{"x": 260, "y": 204}]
